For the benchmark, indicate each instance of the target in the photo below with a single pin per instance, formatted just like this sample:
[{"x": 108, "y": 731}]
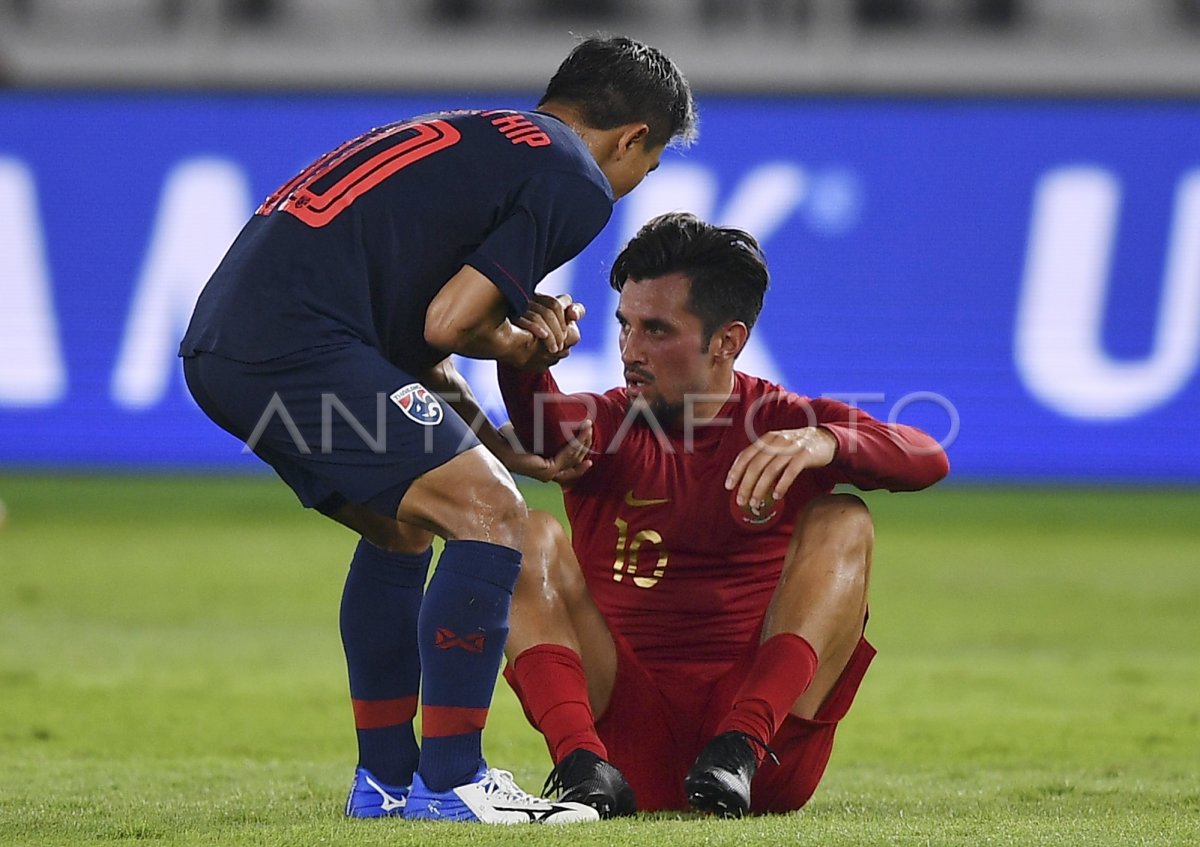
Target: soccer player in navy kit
[
  {"x": 322, "y": 341},
  {"x": 708, "y": 610}
]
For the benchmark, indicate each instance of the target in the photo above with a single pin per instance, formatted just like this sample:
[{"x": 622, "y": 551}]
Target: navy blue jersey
[{"x": 357, "y": 245}]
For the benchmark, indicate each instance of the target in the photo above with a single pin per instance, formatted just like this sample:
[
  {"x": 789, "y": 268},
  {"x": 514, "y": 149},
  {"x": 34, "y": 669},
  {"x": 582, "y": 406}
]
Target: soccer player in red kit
[{"x": 709, "y": 611}]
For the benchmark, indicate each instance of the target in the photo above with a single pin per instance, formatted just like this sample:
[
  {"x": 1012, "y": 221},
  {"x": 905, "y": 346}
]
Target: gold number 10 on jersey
[{"x": 627, "y": 555}]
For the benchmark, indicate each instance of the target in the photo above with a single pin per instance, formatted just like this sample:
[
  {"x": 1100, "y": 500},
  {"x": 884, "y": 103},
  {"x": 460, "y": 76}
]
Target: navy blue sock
[
  {"x": 380, "y": 606},
  {"x": 461, "y": 633}
]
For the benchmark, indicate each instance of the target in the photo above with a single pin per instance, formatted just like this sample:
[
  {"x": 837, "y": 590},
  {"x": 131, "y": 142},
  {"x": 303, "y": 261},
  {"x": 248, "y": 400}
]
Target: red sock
[
  {"x": 784, "y": 667},
  {"x": 552, "y": 687}
]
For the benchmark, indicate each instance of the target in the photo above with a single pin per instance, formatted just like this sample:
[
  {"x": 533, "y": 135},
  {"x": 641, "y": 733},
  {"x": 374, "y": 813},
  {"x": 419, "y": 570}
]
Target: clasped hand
[{"x": 554, "y": 322}]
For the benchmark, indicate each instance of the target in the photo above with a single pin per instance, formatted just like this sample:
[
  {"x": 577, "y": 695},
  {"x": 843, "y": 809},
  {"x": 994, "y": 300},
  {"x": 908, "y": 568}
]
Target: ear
[
  {"x": 631, "y": 136},
  {"x": 729, "y": 340}
]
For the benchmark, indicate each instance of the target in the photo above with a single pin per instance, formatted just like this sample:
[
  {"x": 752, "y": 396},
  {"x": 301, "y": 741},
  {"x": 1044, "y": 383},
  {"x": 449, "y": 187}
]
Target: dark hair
[
  {"x": 616, "y": 81},
  {"x": 726, "y": 267}
]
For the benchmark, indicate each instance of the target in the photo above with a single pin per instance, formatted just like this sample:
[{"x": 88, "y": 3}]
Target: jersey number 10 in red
[{"x": 324, "y": 189}]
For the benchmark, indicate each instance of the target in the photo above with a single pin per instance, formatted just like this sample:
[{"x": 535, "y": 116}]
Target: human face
[
  {"x": 667, "y": 360},
  {"x": 627, "y": 171}
]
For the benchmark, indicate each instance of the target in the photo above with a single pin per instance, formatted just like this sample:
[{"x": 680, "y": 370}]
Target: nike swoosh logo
[{"x": 630, "y": 500}]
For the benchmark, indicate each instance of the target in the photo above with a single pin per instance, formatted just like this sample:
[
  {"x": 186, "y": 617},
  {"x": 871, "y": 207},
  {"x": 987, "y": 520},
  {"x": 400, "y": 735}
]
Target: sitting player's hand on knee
[{"x": 764, "y": 471}]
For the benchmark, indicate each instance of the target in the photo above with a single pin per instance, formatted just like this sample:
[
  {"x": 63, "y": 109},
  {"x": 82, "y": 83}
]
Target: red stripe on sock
[
  {"x": 441, "y": 721},
  {"x": 376, "y": 714}
]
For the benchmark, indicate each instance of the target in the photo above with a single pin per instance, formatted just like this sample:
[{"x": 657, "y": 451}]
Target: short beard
[{"x": 668, "y": 415}]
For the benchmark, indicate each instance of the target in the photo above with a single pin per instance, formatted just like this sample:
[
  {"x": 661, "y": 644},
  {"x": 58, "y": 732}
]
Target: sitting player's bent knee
[
  {"x": 844, "y": 518},
  {"x": 544, "y": 533}
]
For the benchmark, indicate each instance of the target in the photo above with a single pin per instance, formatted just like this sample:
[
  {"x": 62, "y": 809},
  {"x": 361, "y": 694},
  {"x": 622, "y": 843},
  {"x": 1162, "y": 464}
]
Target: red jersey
[{"x": 674, "y": 564}]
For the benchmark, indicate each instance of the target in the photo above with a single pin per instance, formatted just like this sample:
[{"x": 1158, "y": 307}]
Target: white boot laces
[{"x": 499, "y": 782}]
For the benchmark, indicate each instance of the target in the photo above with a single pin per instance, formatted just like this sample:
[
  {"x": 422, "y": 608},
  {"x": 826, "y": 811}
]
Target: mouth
[{"x": 636, "y": 382}]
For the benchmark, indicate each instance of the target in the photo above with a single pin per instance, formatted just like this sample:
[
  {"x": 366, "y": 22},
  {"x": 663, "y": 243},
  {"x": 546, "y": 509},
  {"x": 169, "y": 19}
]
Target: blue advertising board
[{"x": 1019, "y": 277}]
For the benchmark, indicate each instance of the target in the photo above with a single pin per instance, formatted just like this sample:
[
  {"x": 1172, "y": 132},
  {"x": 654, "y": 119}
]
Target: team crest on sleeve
[{"x": 419, "y": 404}]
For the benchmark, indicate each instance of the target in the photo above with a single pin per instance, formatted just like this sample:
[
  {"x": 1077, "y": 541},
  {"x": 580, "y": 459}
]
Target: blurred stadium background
[
  {"x": 983, "y": 217},
  {"x": 766, "y": 45}
]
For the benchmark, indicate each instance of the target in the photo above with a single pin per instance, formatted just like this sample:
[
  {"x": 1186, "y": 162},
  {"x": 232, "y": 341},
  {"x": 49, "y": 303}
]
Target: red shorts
[{"x": 655, "y": 727}]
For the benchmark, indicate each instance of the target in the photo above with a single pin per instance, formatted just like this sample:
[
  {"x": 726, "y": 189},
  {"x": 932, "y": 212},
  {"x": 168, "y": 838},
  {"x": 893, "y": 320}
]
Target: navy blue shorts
[{"x": 338, "y": 424}]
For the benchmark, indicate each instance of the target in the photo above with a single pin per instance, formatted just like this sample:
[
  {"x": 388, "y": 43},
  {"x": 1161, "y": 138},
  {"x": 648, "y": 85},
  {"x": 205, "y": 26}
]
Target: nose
[{"x": 631, "y": 353}]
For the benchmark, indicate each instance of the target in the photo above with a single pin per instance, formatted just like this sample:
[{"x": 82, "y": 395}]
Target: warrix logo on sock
[{"x": 447, "y": 639}]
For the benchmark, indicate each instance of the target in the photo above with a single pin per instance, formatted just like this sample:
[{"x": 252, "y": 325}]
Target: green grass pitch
[{"x": 170, "y": 673}]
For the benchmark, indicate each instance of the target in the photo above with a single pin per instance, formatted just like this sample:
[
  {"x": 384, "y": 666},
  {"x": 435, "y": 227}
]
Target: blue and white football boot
[
  {"x": 491, "y": 797},
  {"x": 370, "y": 798}
]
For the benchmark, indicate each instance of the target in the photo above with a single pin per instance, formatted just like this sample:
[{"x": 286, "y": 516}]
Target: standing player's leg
[
  {"x": 378, "y": 620},
  {"x": 473, "y": 503},
  {"x": 385, "y": 582},
  {"x": 812, "y": 628},
  {"x": 562, "y": 666},
  {"x": 423, "y": 469}
]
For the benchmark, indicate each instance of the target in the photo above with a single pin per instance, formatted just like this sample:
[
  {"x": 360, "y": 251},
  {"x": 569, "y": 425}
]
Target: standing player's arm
[
  {"x": 555, "y": 322},
  {"x": 469, "y": 316},
  {"x": 566, "y": 465}
]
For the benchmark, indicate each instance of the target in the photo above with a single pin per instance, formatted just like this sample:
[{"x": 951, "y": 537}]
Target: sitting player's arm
[
  {"x": 469, "y": 316},
  {"x": 568, "y": 462},
  {"x": 874, "y": 454},
  {"x": 843, "y": 443},
  {"x": 545, "y": 420}
]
